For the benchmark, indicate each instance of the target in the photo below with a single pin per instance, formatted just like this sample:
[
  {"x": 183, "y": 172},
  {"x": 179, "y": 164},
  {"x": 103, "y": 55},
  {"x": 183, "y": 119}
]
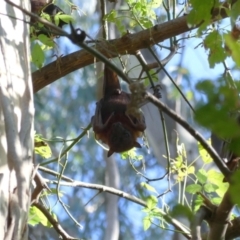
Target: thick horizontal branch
[{"x": 128, "y": 44}]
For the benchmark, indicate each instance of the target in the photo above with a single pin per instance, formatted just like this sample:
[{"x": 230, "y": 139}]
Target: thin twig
[
  {"x": 170, "y": 78},
  {"x": 76, "y": 140},
  {"x": 101, "y": 188},
  {"x": 58, "y": 191},
  {"x": 55, "y": 223},
  {"x": 127, "y": 196},
  {"x": 216, "y": 158},
  {"x": 168, "y": 173}
]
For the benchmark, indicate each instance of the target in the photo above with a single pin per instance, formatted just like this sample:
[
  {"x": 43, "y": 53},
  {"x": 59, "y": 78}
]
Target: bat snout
[{"x": 121, "y": 139}]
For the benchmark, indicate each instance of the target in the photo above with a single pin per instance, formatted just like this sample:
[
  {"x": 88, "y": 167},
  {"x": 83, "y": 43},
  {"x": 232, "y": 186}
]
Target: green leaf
[
  {"x": 46, "y": 40},
  {"x": 197, "y": 203},
  {"x": 234, "y": 11},
  {"x": 110, "y": 17},
  {"x": 145, "y": 22},
  {"x": 191, "y": 170},
  {"x": 214, "y": 176},
  {"x": 132, "y": 154},
  {"x": 151, "y": 202},
  {"x": 41, "y": 147},
  {"x": 113, "y": 17},
  {"x": 148, "y": 187},
  {"x": 201, "y": 12},
  {"x": 201, "y": 176},
  {"x": 204, "y": 154},
  {"x": 46, "y": 16},
  {"x": 56, "y": 20},
  {"x": 155, "y": 3},
  {"x": 234, "y": 46},
  {"x": 36, "y": 217},
  {"x": 146, "y": 223},
  {"x": 209, "y": 187},
  {"x": 216, "y": 200},
  {"x": 235, "y": 188},
  {"x": 214, "y": 42},
  {"x": 65, "y": 18},
  {"x": 121, "y": 28},
  {"x": 37, "y": 55},
  {"x": 153, "y": 75},
  {"x": 155, "y": 212},
  {"x": 180, "y": 210},
  {"x": 193, "y": 188},
  {"x": 220, "y": 101}
]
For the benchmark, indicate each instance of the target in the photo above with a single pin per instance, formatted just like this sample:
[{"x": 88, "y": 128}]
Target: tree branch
[
  {"x": 122, "y": 194},
  {"x": 201, "y": 214},
  {"x": 128, "y": 44},
  {"x": 55, "y": 223},
  {"x": 216, "y": 158},
  {"x": 220, "y": 220}
]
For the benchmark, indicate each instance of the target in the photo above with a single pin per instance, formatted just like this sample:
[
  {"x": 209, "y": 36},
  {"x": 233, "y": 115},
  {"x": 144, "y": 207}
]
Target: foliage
[
  {"x": 36, "y": 217},
  {"x": 216, "y": 112},
  {"x": 222, "y": 108},
  {"x": 41, "y": 147},
  {"x": 140, "y": 13},
  {"x": 42, "y": 38},
  {"x": 208, "y": 182}
]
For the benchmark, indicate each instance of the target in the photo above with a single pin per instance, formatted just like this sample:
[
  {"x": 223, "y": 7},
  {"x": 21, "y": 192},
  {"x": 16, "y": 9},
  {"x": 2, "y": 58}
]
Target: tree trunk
[{"x": 16, "y": 122}]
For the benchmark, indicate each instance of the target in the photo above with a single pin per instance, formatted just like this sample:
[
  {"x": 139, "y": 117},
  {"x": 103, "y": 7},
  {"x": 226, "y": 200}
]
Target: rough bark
[{"x": 16, "y": 123}]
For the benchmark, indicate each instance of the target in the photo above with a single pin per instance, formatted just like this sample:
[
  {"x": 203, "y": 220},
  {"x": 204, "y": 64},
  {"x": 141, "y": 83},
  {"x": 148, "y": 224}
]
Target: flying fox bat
[{"x": 111, "y": 124}]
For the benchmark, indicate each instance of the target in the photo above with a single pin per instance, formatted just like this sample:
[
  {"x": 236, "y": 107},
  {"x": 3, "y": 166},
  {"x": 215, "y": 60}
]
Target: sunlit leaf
[
  {"x": 209, "y": 187},
  {"x": 151, "y": 202},
  {"x": 146, "y": 223},
  {"x": 191, "y": 170},
  {"x": 204, "y": 154},
  {"x": 65, "y": 18},
  {"x": 36, "y": 217},
  {"x": 148, "y": 187},
  {"x": 193, "y": 188},
  {"x": 37, "y": 55},
  {"x": 41, "y": 147},
  {"x": 201, "y": 176}
]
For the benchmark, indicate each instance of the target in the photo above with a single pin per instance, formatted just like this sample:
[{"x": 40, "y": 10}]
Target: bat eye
[{"x": 126, "y": 134}]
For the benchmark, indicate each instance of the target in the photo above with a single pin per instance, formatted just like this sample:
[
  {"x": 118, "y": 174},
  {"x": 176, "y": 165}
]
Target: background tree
[{"x": 63, "y": 122}]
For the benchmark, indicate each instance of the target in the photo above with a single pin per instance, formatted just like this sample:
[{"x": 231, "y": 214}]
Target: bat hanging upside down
[{"x": 111, "y": 124}]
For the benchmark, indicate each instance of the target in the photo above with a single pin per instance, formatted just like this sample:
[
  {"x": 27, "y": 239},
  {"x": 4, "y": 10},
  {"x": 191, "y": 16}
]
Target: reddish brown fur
[{"x": 110, "y": 123}]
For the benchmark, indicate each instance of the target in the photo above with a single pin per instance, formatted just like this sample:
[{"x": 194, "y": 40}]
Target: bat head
[{"x": 121, "y": 139}]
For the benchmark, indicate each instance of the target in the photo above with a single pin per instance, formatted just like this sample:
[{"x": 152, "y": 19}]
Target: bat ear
[
  {"x": 137, "y": 145},
  {"x": 110, "y": 153}
]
